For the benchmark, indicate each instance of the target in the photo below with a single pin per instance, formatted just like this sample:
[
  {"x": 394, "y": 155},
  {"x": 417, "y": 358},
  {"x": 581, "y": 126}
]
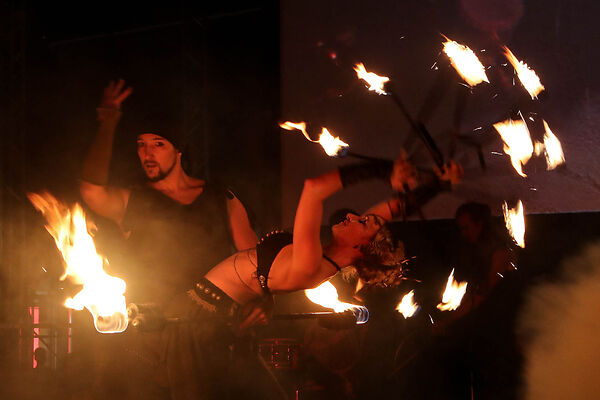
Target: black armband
[
  {"x": 430, "y": 186},
  {"x": 354, "y": 173}
]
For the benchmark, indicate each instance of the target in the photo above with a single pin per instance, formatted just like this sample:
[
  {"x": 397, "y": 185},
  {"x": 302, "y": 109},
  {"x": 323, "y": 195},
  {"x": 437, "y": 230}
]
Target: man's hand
[
  {"x": 404, "y": 175},
  {"x": 114, "y": 94},
  {"x": 255, "y": 313},
  {"x": 450, "y": 172}
]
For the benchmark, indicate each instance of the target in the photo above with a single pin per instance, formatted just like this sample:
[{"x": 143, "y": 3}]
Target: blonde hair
[{"x": 382, "y": 261}]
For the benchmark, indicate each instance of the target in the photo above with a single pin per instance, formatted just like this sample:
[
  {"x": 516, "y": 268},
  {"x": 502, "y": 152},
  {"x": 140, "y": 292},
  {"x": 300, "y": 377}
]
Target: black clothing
[
  {"x": 169, "y": 249},
  {"x": 474, "y": 263},
  {"x": 171, "y": 246},
  {"x": 266, "y": 250}
]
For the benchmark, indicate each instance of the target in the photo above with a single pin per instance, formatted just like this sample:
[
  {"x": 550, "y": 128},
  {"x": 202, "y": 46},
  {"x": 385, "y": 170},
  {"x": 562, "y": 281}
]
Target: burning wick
[
  {"x": 529, "y": 79},
  {"x": 102, "y": 294},
  {"x": 517, "y": 142},
  {"x": 465, "y": 62},
  {"x": 326, "y": 295},
  {"x": 407, "y": 307},
  {"x": 515, "y": 223},
  {"x": 333, "y": 146},
  {"x": 376, "y": 83},
  {"x": 453, "y": 294}
]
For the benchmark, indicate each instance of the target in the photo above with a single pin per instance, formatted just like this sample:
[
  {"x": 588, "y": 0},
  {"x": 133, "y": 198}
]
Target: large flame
[
  {"x": 102, "y": 294},
  {"x": 529, "y": 79},
  {"x": 453, "y": 294},
  {"x": 465, "y": 62},
  {"x": 515, "y": 222},
  {"x": 407, "y": 306},
  {"x": 517, "y": 142},
  {"x": 376, "y": 83},
  {"x": 333, "y": 146}
]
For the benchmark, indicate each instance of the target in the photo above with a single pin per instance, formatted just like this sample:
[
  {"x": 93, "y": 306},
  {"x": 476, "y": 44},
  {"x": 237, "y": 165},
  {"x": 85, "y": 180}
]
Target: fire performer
[
  {"x": 171, "y": 214},
  {"x": 484, "y": 255},
  {"x": 176, "y": 228},
  {"x": 282, "y": 262}
]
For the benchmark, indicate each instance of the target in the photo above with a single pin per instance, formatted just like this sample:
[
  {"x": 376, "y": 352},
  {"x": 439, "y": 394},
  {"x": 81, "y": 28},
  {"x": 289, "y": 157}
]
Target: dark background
[
  {"x": 229, "y": 71},
  {"x": 402, "y": 40}
]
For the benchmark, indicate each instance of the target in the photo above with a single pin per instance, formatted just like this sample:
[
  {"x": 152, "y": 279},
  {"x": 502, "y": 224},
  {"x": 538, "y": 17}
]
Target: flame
[
  {"x": 301, "y": 126},
  {"x": 527, "y": 76},
  {"x": 517, "y": 142},
  {"x": 515, "y": 222},
  {"x": 333, "y": 146},
  {"x": 453, "y": 294},
  {"x": 407, "y": 307},
  {"x": 465, "y": 62},
  {"x": 102, "y": 294},
  {"x": 376, "y": 82},
  {"x": 326, "y": 295},
  {"x": 553, "y": 149}
]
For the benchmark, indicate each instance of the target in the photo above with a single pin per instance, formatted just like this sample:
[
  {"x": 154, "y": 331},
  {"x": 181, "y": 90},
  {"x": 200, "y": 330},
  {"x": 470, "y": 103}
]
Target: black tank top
[{"x": 171, "y": 246}]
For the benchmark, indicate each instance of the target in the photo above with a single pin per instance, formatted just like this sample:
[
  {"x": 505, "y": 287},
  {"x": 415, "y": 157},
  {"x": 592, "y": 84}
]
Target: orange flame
[
  {"x": 453, "y": 294},
  {"x": 376, "y": 83},
  {"x": 517, "y": 142},
  {"x": 529, "y": 79},
  {"x": 552, "y": 149},
  {"x": 407, "y": 307},
  {"x": 515, "y": 222},
  {"x": 333, "y": 146},
  {"x": 102, "y": 294},
  {"x": 465, "y": 62},
  {"x": 326, "y": 295}
]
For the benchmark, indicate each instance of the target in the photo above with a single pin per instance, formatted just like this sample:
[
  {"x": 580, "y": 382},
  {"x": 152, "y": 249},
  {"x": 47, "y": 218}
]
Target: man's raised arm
[{"x": 106, "y": 201}]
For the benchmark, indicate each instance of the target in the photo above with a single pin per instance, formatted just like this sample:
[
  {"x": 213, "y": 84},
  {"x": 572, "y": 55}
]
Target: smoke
[{"x": 561, "y": 326}]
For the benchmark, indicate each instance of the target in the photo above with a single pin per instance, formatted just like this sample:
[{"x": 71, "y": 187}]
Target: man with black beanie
[{"x": 176, "y": 227}]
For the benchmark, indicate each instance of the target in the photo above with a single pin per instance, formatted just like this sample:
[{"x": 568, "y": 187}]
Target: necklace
[
  {"x": 238, "y": 274},
  {"x": 332, "y": 262}
]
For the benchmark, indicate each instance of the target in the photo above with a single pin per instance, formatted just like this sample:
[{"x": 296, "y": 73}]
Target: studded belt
[{"x": 213, "y": 299}]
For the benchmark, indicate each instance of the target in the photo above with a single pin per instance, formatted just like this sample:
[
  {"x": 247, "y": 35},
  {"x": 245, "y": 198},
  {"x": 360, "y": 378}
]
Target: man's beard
[{"x": 161, "y": 174}]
